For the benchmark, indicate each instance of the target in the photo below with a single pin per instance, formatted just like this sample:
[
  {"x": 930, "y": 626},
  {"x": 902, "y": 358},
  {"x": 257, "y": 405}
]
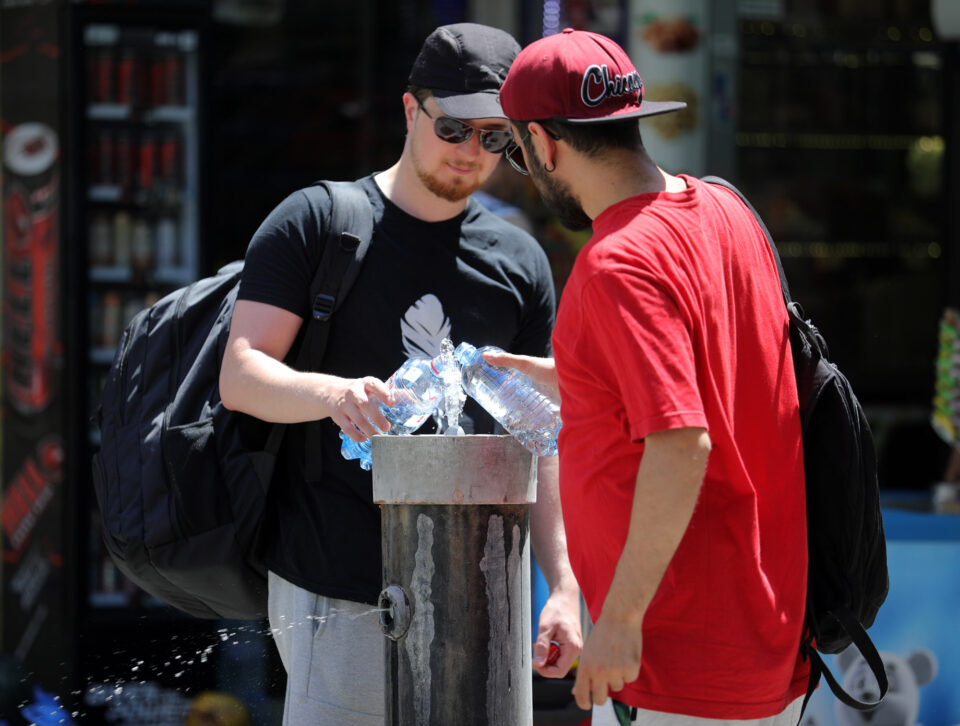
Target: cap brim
[
  {"x": 469, "y": 105},
  {"x": 648, "y": 108}
]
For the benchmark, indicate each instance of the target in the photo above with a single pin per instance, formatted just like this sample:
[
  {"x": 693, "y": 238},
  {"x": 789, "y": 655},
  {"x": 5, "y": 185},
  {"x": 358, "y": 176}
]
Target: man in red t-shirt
[{"x": 681, "y": 462}]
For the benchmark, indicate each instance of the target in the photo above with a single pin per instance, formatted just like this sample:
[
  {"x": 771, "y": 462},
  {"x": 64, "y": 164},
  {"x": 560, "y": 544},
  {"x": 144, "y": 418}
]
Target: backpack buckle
[{"x": 323, "y": 306}]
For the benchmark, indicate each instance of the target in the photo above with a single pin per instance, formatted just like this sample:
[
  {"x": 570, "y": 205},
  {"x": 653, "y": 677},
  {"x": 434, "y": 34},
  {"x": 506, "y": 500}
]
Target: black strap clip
[{"x": 323, "y": 306}]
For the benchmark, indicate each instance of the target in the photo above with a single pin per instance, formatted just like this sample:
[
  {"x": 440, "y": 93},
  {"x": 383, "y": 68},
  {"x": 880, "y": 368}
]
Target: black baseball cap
[{"x": 464, "y": 65}]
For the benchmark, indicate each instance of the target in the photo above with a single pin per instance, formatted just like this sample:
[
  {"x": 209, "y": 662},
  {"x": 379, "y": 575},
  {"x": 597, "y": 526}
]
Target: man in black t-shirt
[{"x": 439, "y": 265}]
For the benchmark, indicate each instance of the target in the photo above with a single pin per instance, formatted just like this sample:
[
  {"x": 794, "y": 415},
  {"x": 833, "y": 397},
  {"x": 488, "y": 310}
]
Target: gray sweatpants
[{"x": 334, "y": 655}]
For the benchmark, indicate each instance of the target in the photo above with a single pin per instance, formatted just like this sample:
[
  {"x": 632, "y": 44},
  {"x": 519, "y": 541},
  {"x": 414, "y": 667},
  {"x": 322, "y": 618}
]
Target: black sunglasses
[
  {"x": 514, "y": 153},
  {"x": 454, "y": 131}
]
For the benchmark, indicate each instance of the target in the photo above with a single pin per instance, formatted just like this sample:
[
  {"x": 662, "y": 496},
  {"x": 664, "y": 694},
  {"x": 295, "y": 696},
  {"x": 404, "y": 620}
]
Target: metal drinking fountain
[{"x": 455, "y": 513}]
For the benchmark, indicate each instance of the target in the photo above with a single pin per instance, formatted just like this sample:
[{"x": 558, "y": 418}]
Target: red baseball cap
[{"x": 578, "y": 77}]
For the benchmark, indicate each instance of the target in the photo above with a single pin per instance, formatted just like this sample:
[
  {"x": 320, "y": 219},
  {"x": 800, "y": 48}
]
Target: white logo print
[
  {"x": 423, "y": 326},
  {"x": 597, "y": 85}
]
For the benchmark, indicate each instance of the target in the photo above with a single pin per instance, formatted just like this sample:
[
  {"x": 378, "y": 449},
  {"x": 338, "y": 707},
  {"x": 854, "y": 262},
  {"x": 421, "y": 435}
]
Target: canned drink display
[
  {"x": 126, "y": 160},
  {"x": 105, "y": 154},
  {"x": 147, "y": 160},
  {"x": 156, "y": 76},
  {"x": 122, "y": 234},
  {"x": 166, "y": 240},
  {"x": 101, "y": 240},
  {"x": 127, "y": 78},
  {"x": 111, "y": 324},
  {"x": 141, "y": 245},
  {"x": 30, "y": 217},
  {"x": 103, "y": 75},
  {"x": 173, "y": 79},
  {"x": 170, "y": 154}
]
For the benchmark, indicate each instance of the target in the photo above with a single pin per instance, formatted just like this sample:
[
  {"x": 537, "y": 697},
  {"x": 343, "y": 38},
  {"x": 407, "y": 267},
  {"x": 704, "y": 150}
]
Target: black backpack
[
  {"x": 847, "y": 581},
  {"x": 181, "y": 481}
]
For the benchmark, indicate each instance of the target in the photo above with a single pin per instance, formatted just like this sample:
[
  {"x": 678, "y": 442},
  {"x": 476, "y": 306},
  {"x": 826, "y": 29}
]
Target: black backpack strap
[
  {"x": 867, "y": 649},
  {"x": 345, "y": 242},
  {"x": 785, "y": 288}
]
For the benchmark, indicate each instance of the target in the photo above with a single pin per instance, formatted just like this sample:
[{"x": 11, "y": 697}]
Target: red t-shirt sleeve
[{"x": 647, "y": 345}]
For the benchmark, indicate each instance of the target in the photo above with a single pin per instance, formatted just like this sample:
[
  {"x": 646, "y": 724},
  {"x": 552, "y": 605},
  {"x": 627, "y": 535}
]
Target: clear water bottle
[
  {"x": 417, "y": 389},
  {"x": 512, "y": 399}
]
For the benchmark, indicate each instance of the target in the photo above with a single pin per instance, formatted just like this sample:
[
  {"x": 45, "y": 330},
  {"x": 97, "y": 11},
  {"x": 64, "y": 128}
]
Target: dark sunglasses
[
  {"x": 514, "y": 153},
  {"x": 454, "y": 131}
]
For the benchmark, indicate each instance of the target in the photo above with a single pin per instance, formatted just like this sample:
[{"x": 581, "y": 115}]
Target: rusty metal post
[{"x": 456, "y": 563}]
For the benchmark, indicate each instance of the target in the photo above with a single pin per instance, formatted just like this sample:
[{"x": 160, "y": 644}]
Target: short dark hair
[
  {"x": 419, "y": 92},
  {"x": 593, "y": 139}
]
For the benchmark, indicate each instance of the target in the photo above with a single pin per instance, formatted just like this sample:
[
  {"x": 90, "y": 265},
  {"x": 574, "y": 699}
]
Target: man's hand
[
  {"x": 541, "y": 370},
  {"x": 559, "y": 623},
  {"x": 610, "y": 660},
  {"x": 355, "y": 405}
]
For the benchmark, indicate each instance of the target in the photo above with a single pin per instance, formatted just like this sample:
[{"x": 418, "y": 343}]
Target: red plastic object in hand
[{"x": 554, "y": 653}]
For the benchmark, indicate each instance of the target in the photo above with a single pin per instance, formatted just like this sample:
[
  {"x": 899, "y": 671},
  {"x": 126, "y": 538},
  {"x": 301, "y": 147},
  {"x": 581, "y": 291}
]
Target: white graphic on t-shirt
[{"x": 423, "y": 326}]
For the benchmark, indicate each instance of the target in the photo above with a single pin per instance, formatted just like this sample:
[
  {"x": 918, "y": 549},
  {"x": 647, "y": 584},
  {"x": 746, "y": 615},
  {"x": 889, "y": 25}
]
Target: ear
[
  {"x": 545, "y": 145},
  {"x": 410, "y": 109},
  {"x": 924, "y": 665}
]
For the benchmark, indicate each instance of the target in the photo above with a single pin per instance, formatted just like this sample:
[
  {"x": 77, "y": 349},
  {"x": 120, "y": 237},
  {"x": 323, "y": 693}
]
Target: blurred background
[{"x": 144, "y": 142}]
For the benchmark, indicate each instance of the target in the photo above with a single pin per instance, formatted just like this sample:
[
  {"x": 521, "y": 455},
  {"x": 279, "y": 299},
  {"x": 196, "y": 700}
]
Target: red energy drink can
[
  {"x": 126, "y": 153},
  {"x": 103, "y": 75},
  {"x": 127, "y": 78},
  {"x": 170, "y": 158},
  {"x": 156, "y": 86},
  {"x": 30, "y": 216},
  {"x": 147, "y": 161},
  {"x": 173, "y": 78}
]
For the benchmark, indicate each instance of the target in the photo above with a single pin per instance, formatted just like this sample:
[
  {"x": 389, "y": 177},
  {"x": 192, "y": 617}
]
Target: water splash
[{"x": 453, "y": 394}]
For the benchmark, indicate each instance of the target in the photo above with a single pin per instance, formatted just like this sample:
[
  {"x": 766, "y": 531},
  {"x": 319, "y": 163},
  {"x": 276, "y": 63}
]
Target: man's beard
[
  {"x": 557, "y": 196},
  {"x": 454, "y": 191}
]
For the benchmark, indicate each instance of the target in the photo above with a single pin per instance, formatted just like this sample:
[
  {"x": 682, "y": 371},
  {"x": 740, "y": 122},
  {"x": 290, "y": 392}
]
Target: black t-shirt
[{"x": 473, "y": 278}]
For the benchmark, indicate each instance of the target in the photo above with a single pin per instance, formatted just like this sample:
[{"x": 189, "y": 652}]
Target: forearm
[
  {"x": 667, "y": 487},
  {"x": 257, "y": 384},
  {"x": 546, "y": 529}
]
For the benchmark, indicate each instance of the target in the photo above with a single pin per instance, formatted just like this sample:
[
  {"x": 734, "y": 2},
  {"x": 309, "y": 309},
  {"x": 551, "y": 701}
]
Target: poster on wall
[
  {"x": 31, "y": 508},
  {"x": 668, "y": 44},
  {"x": 915, "y": 631}
]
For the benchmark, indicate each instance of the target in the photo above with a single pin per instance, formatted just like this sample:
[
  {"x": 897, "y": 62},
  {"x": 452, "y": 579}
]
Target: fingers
[
  {"x": 581, "y": 690},
  {"x": 541, "y": 370},
  {"x": 522, "y": 363},
  {"x": 591, "y": 689},
  {"x": 594, "y": 684},
  {"x": 358, "y": 408},
  {"x": 541, "y": 651}
]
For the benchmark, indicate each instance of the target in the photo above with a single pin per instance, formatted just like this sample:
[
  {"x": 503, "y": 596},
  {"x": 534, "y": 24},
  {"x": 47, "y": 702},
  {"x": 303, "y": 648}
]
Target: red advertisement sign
[{"x": 33, "y": 525}]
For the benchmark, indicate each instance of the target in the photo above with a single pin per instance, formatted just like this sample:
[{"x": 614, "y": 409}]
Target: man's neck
[
  {"x": 606, "y": 184},
  {"x": 401, "y": 185}
]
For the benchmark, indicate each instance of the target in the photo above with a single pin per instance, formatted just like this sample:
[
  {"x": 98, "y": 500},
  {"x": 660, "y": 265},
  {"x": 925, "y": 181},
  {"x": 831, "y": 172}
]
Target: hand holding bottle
[
  {"x": 540, "y": 370},
  {"x": 512, "y": 398},
  {"x": 358, "y": 405},
  {"x": 414, "y": 390}
]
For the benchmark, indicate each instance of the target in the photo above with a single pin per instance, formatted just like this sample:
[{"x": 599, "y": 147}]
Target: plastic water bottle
[
  {"x": 417, "y": 389},
  {"x": 512, "y": 399}
]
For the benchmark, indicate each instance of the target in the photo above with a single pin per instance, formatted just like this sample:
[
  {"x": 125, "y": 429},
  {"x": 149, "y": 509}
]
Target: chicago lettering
[{"x": 597, "y": 85}]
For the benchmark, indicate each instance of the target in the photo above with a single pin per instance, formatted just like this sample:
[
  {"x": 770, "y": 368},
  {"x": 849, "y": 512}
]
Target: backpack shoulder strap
[
  {"x": 719, "y": 181},
  {"x": 345, "y": 243},
  {"x": 346, "y": 239}
]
